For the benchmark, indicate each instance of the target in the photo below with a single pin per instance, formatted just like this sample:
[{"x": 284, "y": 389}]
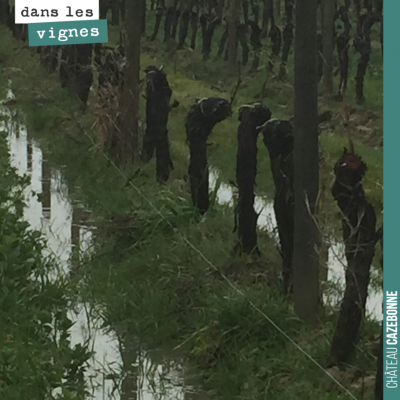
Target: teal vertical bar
[{"x": 391, "y": 200}]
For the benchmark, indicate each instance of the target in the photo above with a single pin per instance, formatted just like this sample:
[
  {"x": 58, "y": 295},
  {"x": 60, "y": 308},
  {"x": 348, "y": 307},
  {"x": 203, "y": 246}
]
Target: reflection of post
[
  {"x": 29, "y": 151},
  {"x": 75, "y": 233},
  {"x": 129, "y": 386},
  {"x": 46, "y": 192},
  {"x": 88, "y": 225},
  {"x": 15, "y": 128}
]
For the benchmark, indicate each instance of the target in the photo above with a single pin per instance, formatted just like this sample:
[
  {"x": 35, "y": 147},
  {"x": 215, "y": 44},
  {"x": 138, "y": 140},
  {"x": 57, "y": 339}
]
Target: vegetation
[
  {"x": 171, "y": 279},
  {"x": 36, "y": 358}
]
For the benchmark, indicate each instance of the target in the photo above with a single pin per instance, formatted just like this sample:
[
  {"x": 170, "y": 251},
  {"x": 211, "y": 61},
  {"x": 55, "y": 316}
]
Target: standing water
[
  {"x": 66, "y": 225},
  {"x": 336, "y": 257}
]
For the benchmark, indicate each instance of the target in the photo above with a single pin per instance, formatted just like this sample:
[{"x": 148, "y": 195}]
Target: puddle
[
  {"x": 336, "y": 257},
  {"x": 65, "y": 226}
]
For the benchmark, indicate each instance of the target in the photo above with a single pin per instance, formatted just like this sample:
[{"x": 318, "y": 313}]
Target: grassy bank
[
  {"x": 162, "y": 284},
  {"x": 35, "y": 356}
]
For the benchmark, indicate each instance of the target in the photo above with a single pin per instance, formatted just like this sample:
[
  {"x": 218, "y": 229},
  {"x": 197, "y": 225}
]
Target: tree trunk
[
  {"x": 245, "y": 7},
  {"x": 67, "y": 63},
  {"x": 275, "y": 35},
  {"x": 158, "y": 96},
  {"x": 3, "y": 11},
  {"x": 123, "y": 10},
  {"x": 83, "y": 78},
  {"x": 320, "y": 57},
  {"x": 183, "y": 28},
  {"x": 194, "y": 25},
  {"x": 365, "y": 55},
  {"x": 342, "y": 46},
  {"x": 232, "y": 36},
  {"x": 130, "y": 93},
  {"x": 363, "y": 45},
  {"x": 54, "y": 58},
  {"x": 268, "y": 7},
  {"x": 256, "y": 44},
  {"x": 278, "y": 137},
  {"x": 360, "y": 238},
  {"x": 277, "y": 8},
  {"x": 115, "y": 7},
  {"x": 175, "y": 23},
  {"x": 242, "y": 39},
  {"x": 203, "y": 24},
  {"x": 222, "y": 42},
  {"x": 328, "y": 44},
  {"x": 169, "y": 20},
  {"x": 143, "y": 17},
  {"x": 306, "y": 164},
  {"x": 103, "y": 9},
  {"x": 200, "y": 121},
  {"x": 109, "y": 70},
  {"x": 220, "y": 9},
  {"x": 256, "y": 11},
  {"x": 287, "y": 44},
  {"x": 289, "y": 6},
  {"x": 49, "y": 57},
  {"x": 209, "y": 36},
  {"x": 250, "y": 117},
  {"x": 11, "y": 18},
  {"x": 159, "y": 15}
]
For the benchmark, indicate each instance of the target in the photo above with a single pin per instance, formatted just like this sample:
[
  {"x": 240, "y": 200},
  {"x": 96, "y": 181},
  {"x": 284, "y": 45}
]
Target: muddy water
[
  {"x": 66, "y": 225},
  {"x": 336, "y": 258}
]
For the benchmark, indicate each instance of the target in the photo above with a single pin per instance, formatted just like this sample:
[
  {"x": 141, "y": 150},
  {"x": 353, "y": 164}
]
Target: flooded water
[
  {"x": 336, "y": 258},
  {"x": 66, "y": 225}
]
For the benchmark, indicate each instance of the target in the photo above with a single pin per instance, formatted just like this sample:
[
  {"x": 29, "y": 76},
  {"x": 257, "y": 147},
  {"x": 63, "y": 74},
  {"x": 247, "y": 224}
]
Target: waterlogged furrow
[
  {"x": 53, "y": 214},
  {"x": 336, "y": 258},
  {"x": 33, "y": 307}
]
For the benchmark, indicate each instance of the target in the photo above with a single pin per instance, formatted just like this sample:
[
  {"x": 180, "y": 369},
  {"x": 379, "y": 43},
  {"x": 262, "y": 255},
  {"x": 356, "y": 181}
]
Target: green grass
[{"x": 145, "y": 274}]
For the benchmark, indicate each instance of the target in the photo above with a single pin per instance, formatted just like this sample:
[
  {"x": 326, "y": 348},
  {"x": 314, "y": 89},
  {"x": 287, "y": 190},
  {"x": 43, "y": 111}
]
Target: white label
[{"x": 31, "y": 11}]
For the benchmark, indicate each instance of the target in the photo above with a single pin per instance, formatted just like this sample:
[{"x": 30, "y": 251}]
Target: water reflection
[
  {"x": 333, "y": 256},
  {"x": 129, "y": 386},
  {"x": 69, "y": 233},
  {"x": 29, "y": 151},
  {"x": 75, "y": 234},
  {"x": 46, "y": 190}
]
